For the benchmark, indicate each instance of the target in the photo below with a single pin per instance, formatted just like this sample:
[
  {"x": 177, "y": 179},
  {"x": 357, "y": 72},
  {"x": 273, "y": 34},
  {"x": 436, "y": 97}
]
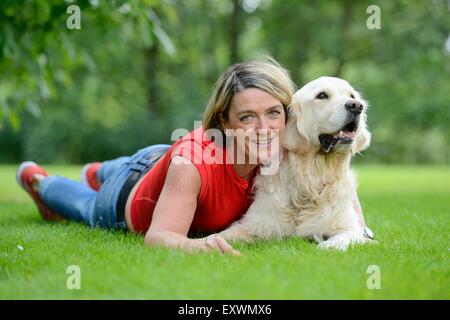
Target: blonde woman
[{"x": 203, "y": 182}]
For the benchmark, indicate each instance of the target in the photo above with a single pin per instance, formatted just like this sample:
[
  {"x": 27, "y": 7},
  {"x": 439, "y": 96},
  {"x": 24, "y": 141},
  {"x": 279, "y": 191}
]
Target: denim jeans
[{"x": 77, "y": 202}]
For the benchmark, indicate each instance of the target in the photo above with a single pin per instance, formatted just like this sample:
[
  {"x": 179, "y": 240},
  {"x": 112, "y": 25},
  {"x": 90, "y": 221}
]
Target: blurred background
[{"x": 138, "y": 69}]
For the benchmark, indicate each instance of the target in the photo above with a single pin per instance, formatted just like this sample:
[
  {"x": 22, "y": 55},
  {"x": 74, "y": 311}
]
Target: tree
[{"x": 38, "y": 50}]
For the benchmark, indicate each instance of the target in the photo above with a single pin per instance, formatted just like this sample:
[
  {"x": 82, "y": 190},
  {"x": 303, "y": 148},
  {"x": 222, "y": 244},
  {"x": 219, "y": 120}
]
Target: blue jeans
[{"x": 77, "y": 202}]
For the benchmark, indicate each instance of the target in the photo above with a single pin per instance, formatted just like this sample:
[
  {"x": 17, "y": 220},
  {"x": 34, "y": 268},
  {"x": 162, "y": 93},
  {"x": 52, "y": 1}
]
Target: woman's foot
[
  {"x": 28, "y": 176},
  {"x": 89, "y": 175}
]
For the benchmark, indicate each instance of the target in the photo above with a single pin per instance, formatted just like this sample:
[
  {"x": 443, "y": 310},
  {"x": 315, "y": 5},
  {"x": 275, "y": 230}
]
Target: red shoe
[
  {"x": 89, "y": 175},
  {"x": 24, "y": 177}
]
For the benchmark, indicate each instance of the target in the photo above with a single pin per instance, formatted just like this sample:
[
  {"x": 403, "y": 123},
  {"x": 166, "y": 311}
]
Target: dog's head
[{"x": 327, "y": 115}]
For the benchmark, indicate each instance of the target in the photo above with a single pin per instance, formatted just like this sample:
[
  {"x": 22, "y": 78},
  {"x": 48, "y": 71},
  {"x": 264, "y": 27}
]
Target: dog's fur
[{"x": 313, "y": 193}]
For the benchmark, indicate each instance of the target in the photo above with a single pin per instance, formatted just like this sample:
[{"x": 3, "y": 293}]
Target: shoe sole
[
  {"x": 45, "y": 212},
  {"x": 83, "y": 175}
]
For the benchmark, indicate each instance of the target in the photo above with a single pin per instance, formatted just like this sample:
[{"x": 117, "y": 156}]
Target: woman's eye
[
  {"x": 245, "y": 118},
  {"x": 274, "y": 113},
  {"x": 322, "y": 96}
]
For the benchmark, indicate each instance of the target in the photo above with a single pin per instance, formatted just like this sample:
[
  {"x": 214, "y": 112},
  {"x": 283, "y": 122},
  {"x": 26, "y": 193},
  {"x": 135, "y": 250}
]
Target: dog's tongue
[{"x": 344, "y": 134}]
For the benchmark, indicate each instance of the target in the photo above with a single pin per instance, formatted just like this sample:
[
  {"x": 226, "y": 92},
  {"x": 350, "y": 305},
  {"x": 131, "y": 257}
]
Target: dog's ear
[
  {"x": 295, "y": 139},
  {"x": 362, "y": 140}
]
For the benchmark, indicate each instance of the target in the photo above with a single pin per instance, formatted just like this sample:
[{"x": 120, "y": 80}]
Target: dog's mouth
[{"x": 346, "y": 135}]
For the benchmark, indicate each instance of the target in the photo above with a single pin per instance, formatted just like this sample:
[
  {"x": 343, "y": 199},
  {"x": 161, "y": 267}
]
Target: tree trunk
[
  {"x": 345, "y": 43},
  {"x": 235, "y": 24},
  {"x": 153, "y": 95}
]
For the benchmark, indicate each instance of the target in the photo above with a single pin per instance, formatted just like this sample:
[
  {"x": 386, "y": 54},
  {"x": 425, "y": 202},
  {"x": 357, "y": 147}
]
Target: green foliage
[
  {"x": 40, "y": 56},
  {"x": 138, "y": 69}
]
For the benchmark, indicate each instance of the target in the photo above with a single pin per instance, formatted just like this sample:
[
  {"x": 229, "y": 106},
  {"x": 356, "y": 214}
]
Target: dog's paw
[
  {"x": 341, "y": 245},
  {"x": 344, "y": 240},
  {"x": 237, "y": 234}
]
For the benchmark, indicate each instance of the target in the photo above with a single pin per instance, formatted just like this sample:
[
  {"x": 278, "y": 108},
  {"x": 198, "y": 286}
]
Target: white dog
[{"x": 313, "y": 191}]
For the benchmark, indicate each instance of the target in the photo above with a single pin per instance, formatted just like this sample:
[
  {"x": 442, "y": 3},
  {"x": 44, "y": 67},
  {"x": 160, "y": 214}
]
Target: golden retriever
[{"x": 311, "y": 195}]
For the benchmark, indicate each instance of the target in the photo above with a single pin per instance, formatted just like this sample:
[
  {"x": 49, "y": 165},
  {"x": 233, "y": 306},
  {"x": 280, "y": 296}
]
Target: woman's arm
[{"x": 175, "y": 210}]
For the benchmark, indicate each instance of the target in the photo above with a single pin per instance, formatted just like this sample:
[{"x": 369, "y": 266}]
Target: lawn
[{"x": 408, "y": 208}]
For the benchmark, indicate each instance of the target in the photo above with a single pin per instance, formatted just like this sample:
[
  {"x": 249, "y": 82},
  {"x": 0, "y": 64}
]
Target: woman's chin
[
  {"x": 268, "y": 151},
  {"x": 263, "y": 158}
]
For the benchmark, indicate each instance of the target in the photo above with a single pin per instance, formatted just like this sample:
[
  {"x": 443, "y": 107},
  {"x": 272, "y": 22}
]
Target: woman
[{"x": 187, "y": 189}]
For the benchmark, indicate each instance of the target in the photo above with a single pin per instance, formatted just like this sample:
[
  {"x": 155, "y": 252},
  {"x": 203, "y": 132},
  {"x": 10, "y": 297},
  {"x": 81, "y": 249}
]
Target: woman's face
[{"x": 257, "y": 121}]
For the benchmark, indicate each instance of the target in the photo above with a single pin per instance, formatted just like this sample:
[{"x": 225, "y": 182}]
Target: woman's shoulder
[
  {"x": 198, "y": 147},
  {"x": 202, "y": 137}
]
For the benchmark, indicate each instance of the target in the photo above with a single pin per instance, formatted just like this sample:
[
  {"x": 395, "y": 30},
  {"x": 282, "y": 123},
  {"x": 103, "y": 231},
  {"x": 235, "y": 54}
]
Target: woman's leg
[
  {"x": 95, "y": 173},
  {"x": 78, "y": 202},
  {"x": 71, "y": 200},
  {"x": 108, "y": 168}
]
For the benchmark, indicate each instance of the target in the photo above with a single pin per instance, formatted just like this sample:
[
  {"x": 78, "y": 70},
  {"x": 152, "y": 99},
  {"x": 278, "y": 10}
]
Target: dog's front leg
[
  {"x": 347, "y": 231},
  {"x": 261, "y": 221},
  {"x": 238, "y": 231}
]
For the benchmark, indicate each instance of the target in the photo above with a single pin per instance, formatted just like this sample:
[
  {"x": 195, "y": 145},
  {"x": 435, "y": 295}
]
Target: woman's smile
[{"x": 263, "y": 142}]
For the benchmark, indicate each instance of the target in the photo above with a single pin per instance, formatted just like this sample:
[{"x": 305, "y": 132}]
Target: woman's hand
[
  {"x": 212, "y": 242},
  {"x": 170, "y": 239}
]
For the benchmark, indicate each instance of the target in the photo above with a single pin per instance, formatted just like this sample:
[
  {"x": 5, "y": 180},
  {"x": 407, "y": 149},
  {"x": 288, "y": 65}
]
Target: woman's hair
[{"x": 267, "y": 75}]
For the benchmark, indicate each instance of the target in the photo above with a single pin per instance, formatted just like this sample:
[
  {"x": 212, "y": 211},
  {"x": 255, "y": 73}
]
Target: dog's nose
[{"x": 354, "y": 107}]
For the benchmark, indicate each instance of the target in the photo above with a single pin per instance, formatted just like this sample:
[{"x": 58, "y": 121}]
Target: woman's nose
[{"x": 262, "y": 123}]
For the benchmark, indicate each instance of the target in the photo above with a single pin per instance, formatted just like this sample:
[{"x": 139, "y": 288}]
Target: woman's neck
[{"x": 245, "y": 170}]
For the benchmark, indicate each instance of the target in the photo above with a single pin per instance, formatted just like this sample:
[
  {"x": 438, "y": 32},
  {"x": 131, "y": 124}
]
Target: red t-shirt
[{"x": 223, "y": 197}]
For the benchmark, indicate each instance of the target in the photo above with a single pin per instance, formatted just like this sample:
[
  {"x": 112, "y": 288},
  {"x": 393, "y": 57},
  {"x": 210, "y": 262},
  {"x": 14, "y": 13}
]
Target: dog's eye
[
  {"x": 322, "y": 96},
  {"x": 352, "y": 96}
]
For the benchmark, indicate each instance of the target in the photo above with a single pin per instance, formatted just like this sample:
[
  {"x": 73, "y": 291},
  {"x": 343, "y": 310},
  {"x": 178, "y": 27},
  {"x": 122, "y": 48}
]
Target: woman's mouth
[{"x": 263, "y": 142}]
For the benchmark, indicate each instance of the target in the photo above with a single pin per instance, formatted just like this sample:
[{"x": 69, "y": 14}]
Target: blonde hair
[{"x": 267, "y": 75}]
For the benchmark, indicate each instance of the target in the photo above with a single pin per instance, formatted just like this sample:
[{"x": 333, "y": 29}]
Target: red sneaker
[
  {"x": 24, "y": 177},
  {"x": 89, "y": 175}
]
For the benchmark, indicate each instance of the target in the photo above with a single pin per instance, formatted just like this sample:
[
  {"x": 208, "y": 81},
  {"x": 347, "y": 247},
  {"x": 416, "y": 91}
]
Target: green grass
[{"x": 408, "y": 208}]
